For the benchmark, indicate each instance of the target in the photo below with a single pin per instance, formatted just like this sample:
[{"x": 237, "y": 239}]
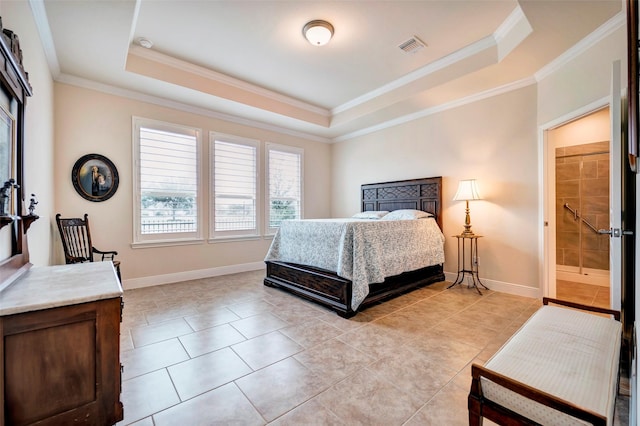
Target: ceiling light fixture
[{"x": 318, "y": 32}]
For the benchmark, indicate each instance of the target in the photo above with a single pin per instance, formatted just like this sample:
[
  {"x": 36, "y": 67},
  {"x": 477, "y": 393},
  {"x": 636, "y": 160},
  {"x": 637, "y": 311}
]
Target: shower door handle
[{"x": 614, "y": 232}]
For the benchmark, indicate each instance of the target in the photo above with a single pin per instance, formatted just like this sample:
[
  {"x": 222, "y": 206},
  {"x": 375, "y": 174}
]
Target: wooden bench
[{"x": 560, "y": 367}]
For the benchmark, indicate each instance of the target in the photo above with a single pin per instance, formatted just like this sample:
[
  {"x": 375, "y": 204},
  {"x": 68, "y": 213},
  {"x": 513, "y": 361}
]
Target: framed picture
[{"x": 95, "y": 177}]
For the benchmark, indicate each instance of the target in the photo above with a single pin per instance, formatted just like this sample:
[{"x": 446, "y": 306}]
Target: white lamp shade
[
  {"x": 467, "y": 190},
  {"x": 318, "y": 32}
]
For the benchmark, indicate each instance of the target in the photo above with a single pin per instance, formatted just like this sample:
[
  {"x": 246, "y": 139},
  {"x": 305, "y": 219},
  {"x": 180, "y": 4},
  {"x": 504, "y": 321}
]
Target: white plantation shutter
[
  {"x": 167, "y": 181},
  {"x": 284, "y": 184},
  {"x": 235, "y": 183}
]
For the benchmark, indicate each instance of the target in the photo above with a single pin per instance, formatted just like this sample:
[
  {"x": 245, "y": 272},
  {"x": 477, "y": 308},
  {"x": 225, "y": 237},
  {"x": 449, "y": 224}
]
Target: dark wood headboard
[{"x": 419, "y": 194}]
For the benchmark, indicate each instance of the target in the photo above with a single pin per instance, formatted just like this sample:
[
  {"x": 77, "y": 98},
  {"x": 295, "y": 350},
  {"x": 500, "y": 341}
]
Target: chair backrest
[{"x": 76, "y": 239}]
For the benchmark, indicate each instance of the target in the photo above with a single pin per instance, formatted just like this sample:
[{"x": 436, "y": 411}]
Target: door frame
[{"x": 547, "y": 194}]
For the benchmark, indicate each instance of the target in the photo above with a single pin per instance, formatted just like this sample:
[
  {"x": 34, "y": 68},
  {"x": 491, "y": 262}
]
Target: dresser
[{"x": 60, "y": 346}]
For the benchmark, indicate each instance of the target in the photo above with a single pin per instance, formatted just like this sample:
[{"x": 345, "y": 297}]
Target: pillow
[
  {"x": 371, "y": 214},
  {"x": 406, "y": 214}
]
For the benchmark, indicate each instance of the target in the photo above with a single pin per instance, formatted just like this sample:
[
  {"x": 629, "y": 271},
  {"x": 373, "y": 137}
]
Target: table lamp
[{"x": 467, "y": 190}]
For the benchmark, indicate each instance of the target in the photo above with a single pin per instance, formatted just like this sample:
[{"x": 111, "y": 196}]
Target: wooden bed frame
[{"x": 327, "y": 288}]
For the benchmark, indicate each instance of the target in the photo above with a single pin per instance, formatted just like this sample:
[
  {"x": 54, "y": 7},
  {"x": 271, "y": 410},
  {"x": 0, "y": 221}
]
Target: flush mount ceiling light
[{"x": 318, "y": 32}]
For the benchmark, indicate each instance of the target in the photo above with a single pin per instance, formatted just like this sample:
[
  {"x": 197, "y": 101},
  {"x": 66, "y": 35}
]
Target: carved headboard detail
[{"x": 419, "y": 194}]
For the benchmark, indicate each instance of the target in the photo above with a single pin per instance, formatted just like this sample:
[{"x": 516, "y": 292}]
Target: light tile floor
[
  {"x": 228, "y": 350},
  {"x": 587, "y": 294}
]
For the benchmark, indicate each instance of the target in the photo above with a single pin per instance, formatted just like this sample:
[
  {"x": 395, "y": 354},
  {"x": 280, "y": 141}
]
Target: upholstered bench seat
[{"x": 559, "y": 368}]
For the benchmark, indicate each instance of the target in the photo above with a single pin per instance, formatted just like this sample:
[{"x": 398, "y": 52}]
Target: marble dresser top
[{"x": 62, "y": 285}]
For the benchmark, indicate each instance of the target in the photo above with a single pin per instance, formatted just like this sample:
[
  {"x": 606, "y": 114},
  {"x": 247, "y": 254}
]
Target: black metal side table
[{"x": 469, "y": 266}]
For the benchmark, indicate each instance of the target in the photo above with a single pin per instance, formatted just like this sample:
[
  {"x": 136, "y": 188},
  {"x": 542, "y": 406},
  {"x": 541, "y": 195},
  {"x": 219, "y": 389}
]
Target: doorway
[{"x": 580, "y": 149}]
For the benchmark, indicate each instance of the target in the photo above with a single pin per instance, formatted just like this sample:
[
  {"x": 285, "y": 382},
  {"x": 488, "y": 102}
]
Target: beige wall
[
  {"x": 583, "y": 80},
  {"x": 38, "y": 179},
  {"x": 493, "y": 141},
  {"x": 88, "y": 121},
  {"x": 592, "y": 128},
  {"x": 496, "y": 141}
]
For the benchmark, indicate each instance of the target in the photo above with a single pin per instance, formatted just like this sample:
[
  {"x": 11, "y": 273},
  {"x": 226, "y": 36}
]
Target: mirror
[{"x": 14, "y": 220}]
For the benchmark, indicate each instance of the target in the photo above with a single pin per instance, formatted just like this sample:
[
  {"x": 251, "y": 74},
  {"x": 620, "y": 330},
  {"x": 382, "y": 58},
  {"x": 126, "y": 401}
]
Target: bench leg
[
  {"x": 475, "y": 419},
  {"x": 475, "y": 408}
]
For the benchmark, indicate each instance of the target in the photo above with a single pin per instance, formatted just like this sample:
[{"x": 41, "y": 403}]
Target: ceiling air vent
[{"x": 412, "y": 45}]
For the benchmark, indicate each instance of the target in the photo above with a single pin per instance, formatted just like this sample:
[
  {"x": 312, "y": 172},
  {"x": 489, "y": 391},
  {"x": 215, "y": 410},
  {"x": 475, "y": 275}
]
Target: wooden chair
[{"x": 76, "y": 241}]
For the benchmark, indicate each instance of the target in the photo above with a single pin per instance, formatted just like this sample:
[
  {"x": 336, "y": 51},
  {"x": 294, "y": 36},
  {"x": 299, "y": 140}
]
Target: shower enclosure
[{"x": 582, "y": 207}]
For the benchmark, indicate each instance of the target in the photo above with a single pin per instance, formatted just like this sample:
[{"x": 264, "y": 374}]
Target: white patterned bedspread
[{"x": 363, "y": 251}]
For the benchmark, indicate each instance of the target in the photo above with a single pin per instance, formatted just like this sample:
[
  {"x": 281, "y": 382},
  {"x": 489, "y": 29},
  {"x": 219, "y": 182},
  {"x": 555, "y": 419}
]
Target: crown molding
[
  {"x": 515, "y": 20},
  {"x": 600, "y": 33},
  {"x": 188, "y": 67},
  {"x": 155, "y": 100},
  {"x": 616, "y": 22},
  {"x": 44, "y": 31},
  {"x": 439, "y": 108},
  {"x": 141, "y": 97},
  {"x": 513, "y": 31},
  {"x": 459, "y": 55}
]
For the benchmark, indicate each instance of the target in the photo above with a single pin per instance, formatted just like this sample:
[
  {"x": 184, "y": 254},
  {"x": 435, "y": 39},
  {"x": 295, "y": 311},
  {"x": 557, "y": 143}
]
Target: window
[
  {"x": 234, "y": 162},
  {"x": 284, "y": 184},
  {"x": 166, "y": 182}
]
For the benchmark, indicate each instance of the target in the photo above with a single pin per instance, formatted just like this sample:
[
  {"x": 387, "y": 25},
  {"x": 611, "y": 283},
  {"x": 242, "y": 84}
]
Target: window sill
[
  {"x": 166, "y": 243},
  {"x": 232, "y": 239}
]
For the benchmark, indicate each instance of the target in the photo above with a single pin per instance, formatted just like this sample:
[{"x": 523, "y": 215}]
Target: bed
[{"x": 323, "y": 284}]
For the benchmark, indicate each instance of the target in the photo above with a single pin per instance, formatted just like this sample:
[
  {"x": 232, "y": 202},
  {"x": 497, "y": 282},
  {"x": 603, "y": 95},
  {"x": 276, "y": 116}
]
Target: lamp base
[
  {"x": 467, "y": 232},
  {"x": 467, "y": 222}
]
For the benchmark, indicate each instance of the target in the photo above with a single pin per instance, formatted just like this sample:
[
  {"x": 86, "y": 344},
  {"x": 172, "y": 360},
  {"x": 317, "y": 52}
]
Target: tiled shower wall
[{"x": 582, "y": 181}]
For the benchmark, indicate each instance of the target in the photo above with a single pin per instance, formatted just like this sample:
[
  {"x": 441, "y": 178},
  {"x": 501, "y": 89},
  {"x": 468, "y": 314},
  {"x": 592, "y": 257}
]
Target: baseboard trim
[
  {"x": 589, "y": 276},
  {"x": 133, "y": 283},
  {"x": 504, "y": 287},
  {"x": 153, "y": 280}
]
